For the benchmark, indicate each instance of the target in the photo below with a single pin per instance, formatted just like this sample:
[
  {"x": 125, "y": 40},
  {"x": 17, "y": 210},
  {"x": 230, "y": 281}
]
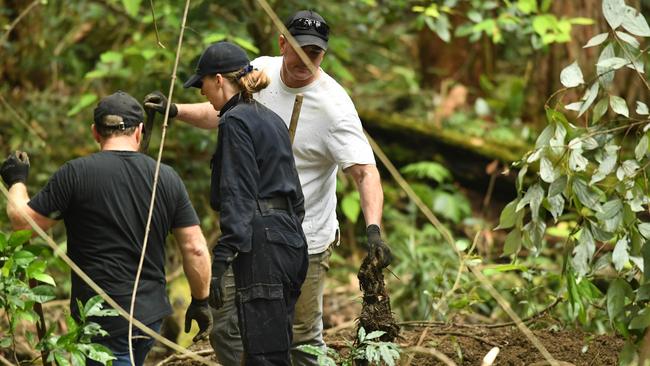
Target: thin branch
[
  {"x": 155, "y": 24},
  {"x": 17, "y": 20},
  {"x": 5, "y": 362},
  {"x": 431, "y": 352},
  {"x": 155, "y": 178},
  {"x": 39, "y": 135}
]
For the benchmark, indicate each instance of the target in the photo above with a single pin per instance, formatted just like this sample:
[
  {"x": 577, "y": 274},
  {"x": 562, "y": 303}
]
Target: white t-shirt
[{"x": 328, "y": 136}]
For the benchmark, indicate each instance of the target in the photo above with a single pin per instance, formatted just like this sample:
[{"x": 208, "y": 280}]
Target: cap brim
[
  {"x": 309, "y": 40},
  {"x": 193, "y": 81}
]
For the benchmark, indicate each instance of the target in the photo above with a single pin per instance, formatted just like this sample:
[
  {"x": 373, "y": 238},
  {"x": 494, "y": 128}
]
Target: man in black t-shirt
[{"x": 103, "y": 200}]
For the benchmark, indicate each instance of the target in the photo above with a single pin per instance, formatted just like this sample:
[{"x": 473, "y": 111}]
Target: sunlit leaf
[
  {"x": 557, "y": 186},
  {"x": 589, "y": 98},
  {"x": 621, "y": 255},
  {"x": 627, "y": 38},
  {"x": 641, "y": 148},
  {"x": 547, "y": 171},
  {"x": 635, "y": 23},
  {"x": 642, "y": 108},
  {"x": 619, "y": 105},
  {"x": 351, "y": 206},
  {"x": 571, "y": 76},
  {"x": 577, "y": 162},
  {"x": 585, "y": 194},
  {"x": 613, "y": 12},
  {"x": 613, "y": 63},
  {"x": 600, "y": 109},
  {"x": 131, "y": 6},
  {"x": 556, "y": 204},
  {"x": 85, "y": 101},
  {"x": 606, "y": 76},
  {"x": 596, "y": 40}
]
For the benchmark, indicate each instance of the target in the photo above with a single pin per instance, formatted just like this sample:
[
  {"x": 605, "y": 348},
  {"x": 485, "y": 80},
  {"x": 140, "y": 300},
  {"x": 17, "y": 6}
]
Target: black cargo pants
[{"x": 268, "y": 281}]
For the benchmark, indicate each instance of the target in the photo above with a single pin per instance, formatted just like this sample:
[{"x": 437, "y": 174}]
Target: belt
[{"x": 274, "y": 203}]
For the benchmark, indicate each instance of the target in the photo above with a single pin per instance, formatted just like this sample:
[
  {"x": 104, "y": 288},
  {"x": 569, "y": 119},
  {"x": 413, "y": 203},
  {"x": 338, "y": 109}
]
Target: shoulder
[{"x": 263, "y": 62}]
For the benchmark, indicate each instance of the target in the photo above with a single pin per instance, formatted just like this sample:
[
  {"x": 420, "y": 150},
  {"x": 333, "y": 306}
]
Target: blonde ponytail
[{"x": 249, "y": 81}]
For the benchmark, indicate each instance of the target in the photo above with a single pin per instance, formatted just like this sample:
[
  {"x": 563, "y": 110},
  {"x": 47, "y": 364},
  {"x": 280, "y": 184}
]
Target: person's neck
[
  {"x": 120, "y": 143},
  {"x": 291, "y": 83}
]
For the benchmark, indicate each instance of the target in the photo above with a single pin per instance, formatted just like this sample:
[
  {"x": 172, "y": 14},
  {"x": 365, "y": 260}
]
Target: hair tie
[{"x": 244, "y": 71}]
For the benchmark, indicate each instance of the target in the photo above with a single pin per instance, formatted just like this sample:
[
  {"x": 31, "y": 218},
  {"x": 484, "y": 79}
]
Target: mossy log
[{"x": 408, "y": 140}]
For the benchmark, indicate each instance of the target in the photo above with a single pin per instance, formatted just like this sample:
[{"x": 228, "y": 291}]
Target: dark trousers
[
  {"x": 119, "y": 345},
  {"x": 268, "y": 280}
]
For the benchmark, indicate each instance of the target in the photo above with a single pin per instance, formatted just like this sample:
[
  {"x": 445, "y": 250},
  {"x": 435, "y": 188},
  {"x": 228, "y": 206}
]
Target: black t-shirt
[{"x": 104, "y": 201}]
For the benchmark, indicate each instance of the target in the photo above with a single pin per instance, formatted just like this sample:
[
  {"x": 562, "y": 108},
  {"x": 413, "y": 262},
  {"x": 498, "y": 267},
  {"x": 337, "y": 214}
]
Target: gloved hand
[
  {"x": 377, "y": 248},
  {"x": 199, "y": 310},
  {"x": 158, "y": 102},
  {"x": 15, "y": 169},
  {"x": 217, "y": 284}
]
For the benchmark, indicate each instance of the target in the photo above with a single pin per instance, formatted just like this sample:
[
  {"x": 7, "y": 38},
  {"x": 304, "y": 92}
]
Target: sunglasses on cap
[{"x": 306, "y": 24}]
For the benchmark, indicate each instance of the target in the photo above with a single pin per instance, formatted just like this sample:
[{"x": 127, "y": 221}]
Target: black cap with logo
[
  {"x": 218, "y": 58},
  {"x": 309, "y": 29},
  {"x": 118, "y": 110}
]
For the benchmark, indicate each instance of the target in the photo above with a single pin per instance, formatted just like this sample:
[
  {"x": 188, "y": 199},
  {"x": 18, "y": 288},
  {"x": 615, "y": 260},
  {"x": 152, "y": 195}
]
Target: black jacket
[{"x": 253, "y": 160}]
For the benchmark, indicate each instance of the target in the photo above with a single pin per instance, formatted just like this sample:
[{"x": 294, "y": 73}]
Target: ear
[
  {"x": 138, "y": 133},
  {"x": 96, "y": 135},
  {"x": 282, "y": 42}
]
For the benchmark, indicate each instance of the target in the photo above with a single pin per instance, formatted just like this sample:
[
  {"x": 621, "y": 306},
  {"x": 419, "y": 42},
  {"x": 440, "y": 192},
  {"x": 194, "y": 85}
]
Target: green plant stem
[{"x": 13, "y": 337}]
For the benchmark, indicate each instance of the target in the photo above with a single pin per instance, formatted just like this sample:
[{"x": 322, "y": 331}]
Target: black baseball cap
[
  {"x": 118, "y": 110},
  {"x": 309, "y": 28},
  {"x": 218, "y": 58}
]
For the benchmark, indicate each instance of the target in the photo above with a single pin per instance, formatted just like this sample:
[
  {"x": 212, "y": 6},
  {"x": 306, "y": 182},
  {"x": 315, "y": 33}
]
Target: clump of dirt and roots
[{"x": 375, "y": 310}]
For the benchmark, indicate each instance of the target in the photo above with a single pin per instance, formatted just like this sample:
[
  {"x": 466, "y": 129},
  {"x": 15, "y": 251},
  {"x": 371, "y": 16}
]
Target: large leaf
[
  {"x": 596, "y": 40},
  {"x": 606, "y": 76},
  {"x": 616, "y": 293},
  {"x": 351, "y": 206},
  {"x": 534, "y": 197},
  {"x": 613, "y": 10},
  {"x": 508, "y": 216},
  {"x": 557, "y": 186},
  {"x": 635, "y": 23},
  {"x": 19, "y": 237},
  {"x": 619, "y": 105},
  {"x": 589, "y": 98},
  {"x": 547, "y": 171},
  {"x": 571, "y": 76},
  {"x": 621, "y": 255},
  {"x": 556, "y": 206},
  {"x": 585, "y": 194},
  {"x": 641, "y": 148},
  {"x": 512, "y": 243},
  {"x": 612, "y": 63},
  {"x": 132, "y": 6},
  {"x": 627, "y": 38}
]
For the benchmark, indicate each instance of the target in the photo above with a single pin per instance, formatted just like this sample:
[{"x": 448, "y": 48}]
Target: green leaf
[
  {"x": 547, "y": 171},
  {"x": 311, "y": 350},
  {"x": 78, "y": 358},
  {"x": 613, "y": 12},
  {"x": 375, "y": 334},
  {"x": 641, "y": 148},
  {"x": 214, "y": 38},
  {"x": 42, "y": 294},
  {"x": 600, "y": 109},
  {"x": 131, "y": 6},
  {"x": 556, "y": 206},
  {"x": 621, "y": 255},
  {"x": 606, "y": 78},
  {"x": 613, "y": 63},
  {"x": 508, "y": 216},
  {"x": 571, "y": 76},
  {"x": 558, "y": 186},
  {"x": 616, "y": 294},
  {"x": 643, "y": 293},
  {"x": 99, "y": 353},
  {"x": 427, "y": 169},
  {"x": 589, "y": 98},
  {"x": 641, "y": 320},
  {"x": 585, "y": 194},
  {"x": 23, "y": 258},
  {"x": 629, "y": 39},
  {"x": 527, "y": 6},
  {"x": 606, "y": 166},
  {"x": 19, "y": 237},
  {"x": 635, "y": 23},
  {"x": 351, "y": 206},
  {"x": 534, "y": 197},
  {"x": 596, "y": 40},
  {"x": 84, "y": 101},
  {"x": 583, "y": 252},
  {"x": 618, "y": 105},
  {"x": 247, "y": 45},
  {"x": 577, "y": 162},
  {"x": 361, "y": 335},
  {"x": 544, "y": 137},
  {"x": 642, "y": 108},
  {"x": 43, "y": 277},
  {"x": 512, "y": 243},
  {"x": 611, "y": 216}
]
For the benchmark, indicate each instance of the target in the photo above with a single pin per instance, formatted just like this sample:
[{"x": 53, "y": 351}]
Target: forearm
[
  {"x": 371, "y": 193},
  {"x": 16, "y": 208},
  {"x": 201, "y": 115},
  {"x": 196, "y": 265}
]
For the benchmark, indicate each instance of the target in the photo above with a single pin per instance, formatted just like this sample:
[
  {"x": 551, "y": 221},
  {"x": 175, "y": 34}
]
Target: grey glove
[
  {"x": 15, "y": 169},
  {"x": 158, "y": 102},
  {"x": 199, "y": 310},
  {"x": 377, "y": 248}
]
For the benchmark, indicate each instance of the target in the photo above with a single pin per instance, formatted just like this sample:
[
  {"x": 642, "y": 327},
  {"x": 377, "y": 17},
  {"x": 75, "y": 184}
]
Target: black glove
[
  {"x": 15, "y": 169},
  {"x": 217, "y": 285},
  {"x": 199, "y": 310},
  {"x": 377, "y": 248},
  {"x": 158, "y": 102}
]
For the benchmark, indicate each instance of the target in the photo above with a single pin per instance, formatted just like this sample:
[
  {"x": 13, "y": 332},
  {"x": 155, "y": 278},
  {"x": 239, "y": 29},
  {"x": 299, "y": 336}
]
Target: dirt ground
[{"x": 464, "y": 344}]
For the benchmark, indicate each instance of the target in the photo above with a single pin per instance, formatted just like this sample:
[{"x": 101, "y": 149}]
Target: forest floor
[{"x": 465, "y": 344}]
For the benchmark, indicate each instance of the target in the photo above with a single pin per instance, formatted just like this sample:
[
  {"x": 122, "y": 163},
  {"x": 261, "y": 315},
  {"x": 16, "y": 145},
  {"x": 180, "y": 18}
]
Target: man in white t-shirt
[{"x": 329, "y": 136}]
